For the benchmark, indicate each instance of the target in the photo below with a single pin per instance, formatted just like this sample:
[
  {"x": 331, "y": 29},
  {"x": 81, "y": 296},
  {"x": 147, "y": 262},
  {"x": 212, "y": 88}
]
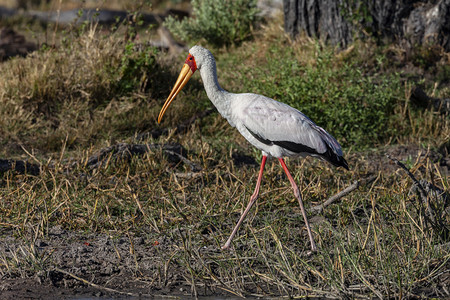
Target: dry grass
[
  {"x": 377, "y": 241},
  {"x": 88, "y": 90},
  {"x": 71, "y": 101}
]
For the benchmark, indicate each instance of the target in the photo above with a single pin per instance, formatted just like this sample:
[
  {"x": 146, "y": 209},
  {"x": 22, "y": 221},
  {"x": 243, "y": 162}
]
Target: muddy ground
[
  {"x": 80, "y": 265},
  {"x": 107, "y": 261}
]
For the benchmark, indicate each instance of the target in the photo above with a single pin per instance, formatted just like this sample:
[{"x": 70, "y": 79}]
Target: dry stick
[
  {"x": 96, "y": 285},
  {"x": 121, "y": 150},
  {"x": 110, "y": 289},
  {"x": 423, "y": 193},
  {"x": 125, "y": 150},
  {"x": 319, "y": 208}
]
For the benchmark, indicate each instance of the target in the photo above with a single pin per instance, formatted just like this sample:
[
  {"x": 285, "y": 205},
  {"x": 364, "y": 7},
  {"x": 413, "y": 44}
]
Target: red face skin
[{"x": 190, "y": 61}]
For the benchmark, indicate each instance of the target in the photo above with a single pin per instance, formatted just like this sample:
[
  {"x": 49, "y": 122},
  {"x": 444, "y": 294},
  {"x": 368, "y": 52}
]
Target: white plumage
[
  {"x": 275, "y": 128},
  {"x": 275, "y": 121}
]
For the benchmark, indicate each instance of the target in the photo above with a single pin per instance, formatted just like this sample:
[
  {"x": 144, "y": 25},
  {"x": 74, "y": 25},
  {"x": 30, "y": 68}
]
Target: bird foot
[{"x": 226, "y": 246}]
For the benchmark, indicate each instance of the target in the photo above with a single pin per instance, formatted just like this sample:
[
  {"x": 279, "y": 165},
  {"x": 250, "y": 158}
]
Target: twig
[
  {"x": 96, "y": 285},
  {"x": 319, "y": 208},
  {"x": 113, "y": 290}
]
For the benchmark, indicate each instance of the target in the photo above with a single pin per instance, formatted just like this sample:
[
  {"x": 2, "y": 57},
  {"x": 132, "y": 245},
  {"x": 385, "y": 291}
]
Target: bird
[{"x": 275, "y": 128}]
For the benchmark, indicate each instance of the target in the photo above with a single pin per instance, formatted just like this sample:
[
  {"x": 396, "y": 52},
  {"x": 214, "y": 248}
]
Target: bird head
[
  {"x": 189, "y": 67},
  {"x": 198, "y": 56}
]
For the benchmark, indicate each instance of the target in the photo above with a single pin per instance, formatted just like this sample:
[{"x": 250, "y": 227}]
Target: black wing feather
[{"x": 329, "y": 155}]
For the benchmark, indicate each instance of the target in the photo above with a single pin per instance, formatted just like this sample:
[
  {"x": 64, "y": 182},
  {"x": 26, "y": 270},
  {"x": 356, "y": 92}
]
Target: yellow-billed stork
[{"x": 275, "y": 128}]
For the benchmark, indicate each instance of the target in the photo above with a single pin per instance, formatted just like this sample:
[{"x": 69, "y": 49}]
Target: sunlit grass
[
  {"x": 374, "y": 242},
  {"x": 63, "y": 105}
]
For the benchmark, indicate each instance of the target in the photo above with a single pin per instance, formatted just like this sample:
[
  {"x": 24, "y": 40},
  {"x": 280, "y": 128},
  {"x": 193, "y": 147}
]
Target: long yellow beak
[{"x": 183, "y": 78}]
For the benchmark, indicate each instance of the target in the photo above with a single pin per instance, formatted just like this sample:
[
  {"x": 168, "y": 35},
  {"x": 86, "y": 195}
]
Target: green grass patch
[
  {"x": 219, "y": 23},
  {"x": 358, "y": 110}
]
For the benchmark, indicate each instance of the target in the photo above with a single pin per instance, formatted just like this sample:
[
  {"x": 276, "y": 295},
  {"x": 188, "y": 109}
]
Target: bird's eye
[{"x": 190, "y": 58}]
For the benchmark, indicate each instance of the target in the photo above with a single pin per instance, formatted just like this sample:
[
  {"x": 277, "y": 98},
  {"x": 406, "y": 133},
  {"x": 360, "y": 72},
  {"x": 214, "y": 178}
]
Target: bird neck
[{"x": 217, "y": 95}]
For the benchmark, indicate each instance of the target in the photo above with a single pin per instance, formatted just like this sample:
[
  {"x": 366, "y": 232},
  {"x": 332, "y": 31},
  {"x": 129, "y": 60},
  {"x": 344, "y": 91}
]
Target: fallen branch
[
  {"x": 357, "y": 183},
  {"x": 126, "y": 151},
  {"x": 175, "y": 153},
  {"x": 413, "y": 178}
]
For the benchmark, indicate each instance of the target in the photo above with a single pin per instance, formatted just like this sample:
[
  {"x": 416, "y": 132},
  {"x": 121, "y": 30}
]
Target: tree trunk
[{"x": 410, "y": 22}]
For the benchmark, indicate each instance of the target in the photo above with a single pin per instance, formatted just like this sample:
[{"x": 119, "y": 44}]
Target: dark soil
[{"x": 85, "y": 266}]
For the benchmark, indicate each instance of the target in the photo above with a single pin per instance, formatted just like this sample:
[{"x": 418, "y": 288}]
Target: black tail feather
[{"x": 335, "y": 159}]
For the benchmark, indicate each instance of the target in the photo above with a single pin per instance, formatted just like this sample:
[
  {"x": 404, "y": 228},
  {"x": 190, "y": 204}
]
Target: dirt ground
[{"x": 108, "y": 261}]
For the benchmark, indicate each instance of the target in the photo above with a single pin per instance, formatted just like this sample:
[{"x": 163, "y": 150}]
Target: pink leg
[
  {"x": 299, "y": 197},
  {"x": 250, "y": 204}
]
